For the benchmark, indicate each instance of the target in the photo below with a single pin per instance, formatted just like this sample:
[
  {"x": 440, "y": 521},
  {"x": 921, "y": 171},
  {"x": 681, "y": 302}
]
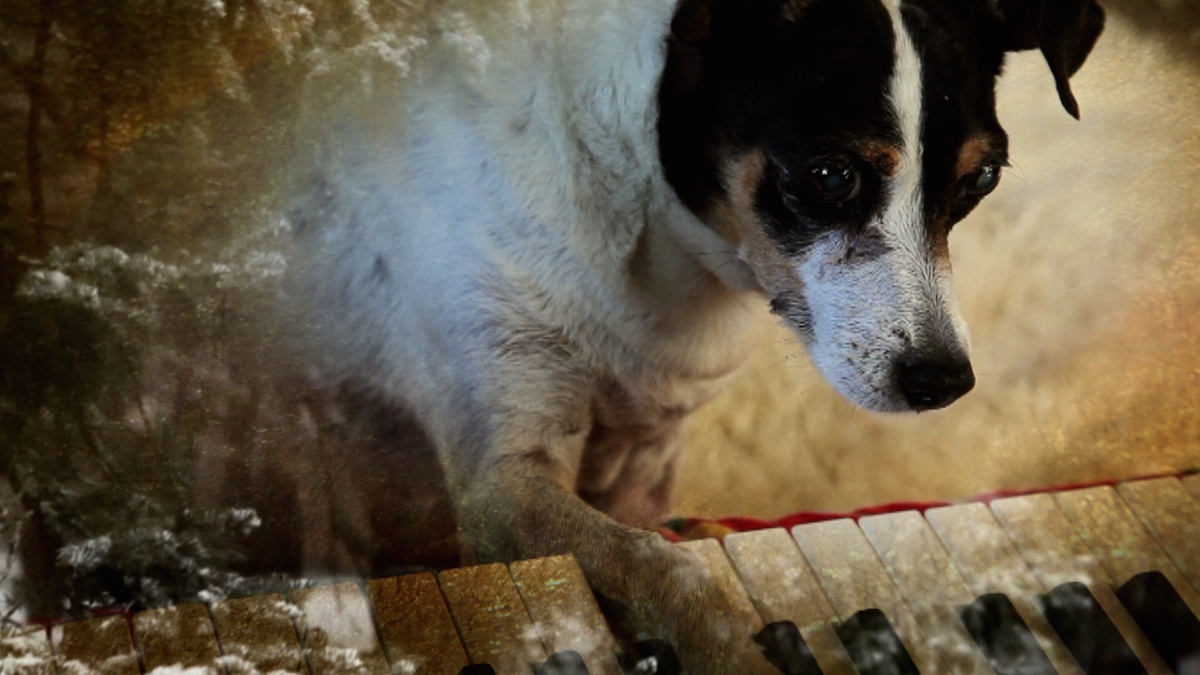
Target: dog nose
[{"x": 931, "y": 382}]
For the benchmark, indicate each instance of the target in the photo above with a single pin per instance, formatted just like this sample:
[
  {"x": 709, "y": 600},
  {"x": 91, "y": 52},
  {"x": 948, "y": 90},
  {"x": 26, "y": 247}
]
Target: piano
[{"x": 1093, "y": 581}]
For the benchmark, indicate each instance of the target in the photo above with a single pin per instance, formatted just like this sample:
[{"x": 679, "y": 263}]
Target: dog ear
[{"x": 1065, "y": 30}]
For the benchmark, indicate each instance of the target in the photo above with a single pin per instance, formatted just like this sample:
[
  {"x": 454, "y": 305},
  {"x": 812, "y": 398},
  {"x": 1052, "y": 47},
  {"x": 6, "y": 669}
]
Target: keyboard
[{"x": 1093, "y": 581}]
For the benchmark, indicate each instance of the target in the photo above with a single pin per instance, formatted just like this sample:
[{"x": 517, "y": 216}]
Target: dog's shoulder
[{"x": 509, "y": 190}]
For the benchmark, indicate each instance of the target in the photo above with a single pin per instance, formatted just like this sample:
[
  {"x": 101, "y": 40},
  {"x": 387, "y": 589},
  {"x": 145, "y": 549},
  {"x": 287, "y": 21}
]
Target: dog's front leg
[{"x": 519, "y": 508}]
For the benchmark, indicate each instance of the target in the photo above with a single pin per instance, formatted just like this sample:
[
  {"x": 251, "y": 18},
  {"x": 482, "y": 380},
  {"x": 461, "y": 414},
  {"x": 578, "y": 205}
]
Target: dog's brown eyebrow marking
[
  {"x": 972, "y": 154},
  {"x": 883, "y": 155}
]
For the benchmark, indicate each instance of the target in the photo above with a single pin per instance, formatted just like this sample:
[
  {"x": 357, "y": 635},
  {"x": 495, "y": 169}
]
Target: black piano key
[
  {"x": 1087, "y": 631},
  {"x": 1006, "y": 642},
  {"x": 477, "y": 669},
  {"x": 563, "y": 663},
  {"x": 652, "y": 657},
  {"x": 873, "y": 645},
  {"x": 786, "y": 649},
  {"x": 1165, "y": 619}
]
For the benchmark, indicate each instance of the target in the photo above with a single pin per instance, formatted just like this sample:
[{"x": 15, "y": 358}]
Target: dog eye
[
  {"x": 836, "y": 181},
  {"x": 983, "y": 181}
]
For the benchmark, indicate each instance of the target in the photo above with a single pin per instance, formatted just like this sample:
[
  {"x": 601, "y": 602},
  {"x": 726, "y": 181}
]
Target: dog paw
[{"x": 710, "y": 632}]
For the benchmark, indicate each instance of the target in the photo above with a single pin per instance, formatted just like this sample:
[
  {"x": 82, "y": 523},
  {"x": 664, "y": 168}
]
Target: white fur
[
  {"x": 867, "y": 314},
  {"x": 514, "y": 187}
]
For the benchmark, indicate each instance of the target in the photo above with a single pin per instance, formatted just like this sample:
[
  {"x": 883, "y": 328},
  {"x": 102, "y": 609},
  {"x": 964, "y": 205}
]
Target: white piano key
[
  {"x": 565, "y": 612},
  {"x": 1048, "y": 542},
  {"x": 337, "y": 630},
  {"x": 853, "y": 578},
  {"x": 1119, "y": 540},
  {"x": 99, "y": 646},
  {"x": 1171, "y": 513},
  {"x": 491, "y": 618},
  {"x": 256, "y": 635},
  {"x": 25, "y": 651},
  {"x": 983, "y": 553},
  {"x": 415, "y": 627},
  {"x": 930, "y": 583},
  {"x": 783, "y": 588}
]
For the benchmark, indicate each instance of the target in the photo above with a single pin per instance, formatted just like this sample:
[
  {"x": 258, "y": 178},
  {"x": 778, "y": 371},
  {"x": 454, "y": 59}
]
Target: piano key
[
  {"x": 983, "y": 553},
  {"x": 786, "y": 649},
  {"x": 491, "y": 618},
  {"x": 782, "y": 587},
  {"x": 930, "y": 583},
  {"x": 1166, "y": 620},
  {"x": 853, "y": 578},
  {"x": 256, "y": 635},
  {"x": 102, "y": 646},
  {"x": 1169, "y": 511},
  {"x": 336, "y": 629},
  {"x": 1122, "y": 542},
  {"x": 1087, "y": 631},
  {"x": 563, "y": 609},
  {"x": 1057, "y": 555},
  {"x": 744, "y": 616},
  {"x": 180, "y": 636},
  {"x": 874, "y": 646},
  {"x": 710, "y": 551},
  {"x": 1119, "y": 540},
  {"x": 415, "y": 627},
  {"x": 25, "y": 651},
  {"x": 1001, "y": 633}
]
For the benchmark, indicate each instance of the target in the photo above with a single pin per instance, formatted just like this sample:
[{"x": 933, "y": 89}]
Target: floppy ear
[{"x": 1065, "y": 30}]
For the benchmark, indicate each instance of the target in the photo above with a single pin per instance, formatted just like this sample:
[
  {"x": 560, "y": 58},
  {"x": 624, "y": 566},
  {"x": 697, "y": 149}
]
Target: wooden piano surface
[{"x": 920, "y": 571}]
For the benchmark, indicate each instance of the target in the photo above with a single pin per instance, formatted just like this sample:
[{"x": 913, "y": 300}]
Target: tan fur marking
[
  {"x": 738, "y": 217},
  {"x": 971, "y": 155},
  {"x": 884, "y": 156},
  {"x": 941, "y": 245}
]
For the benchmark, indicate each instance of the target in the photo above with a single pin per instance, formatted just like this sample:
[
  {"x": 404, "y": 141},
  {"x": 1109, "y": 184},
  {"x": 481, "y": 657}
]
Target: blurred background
[{"x": 144, "y": 153}]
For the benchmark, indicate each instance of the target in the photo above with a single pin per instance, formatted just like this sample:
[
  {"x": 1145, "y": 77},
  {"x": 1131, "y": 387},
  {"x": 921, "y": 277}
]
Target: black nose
[{"x": 931, "y": 382}]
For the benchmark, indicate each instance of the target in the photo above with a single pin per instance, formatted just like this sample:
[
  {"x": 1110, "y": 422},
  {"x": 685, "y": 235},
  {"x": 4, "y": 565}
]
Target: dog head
[{"x": 833, "y": 144}]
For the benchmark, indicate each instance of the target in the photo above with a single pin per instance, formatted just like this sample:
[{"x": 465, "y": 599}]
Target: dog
[{"x": 547, "y": 248}]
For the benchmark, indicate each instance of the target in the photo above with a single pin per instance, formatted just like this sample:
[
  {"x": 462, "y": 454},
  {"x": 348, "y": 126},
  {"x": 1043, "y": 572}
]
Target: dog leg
[{"x": 518, "y": 510}]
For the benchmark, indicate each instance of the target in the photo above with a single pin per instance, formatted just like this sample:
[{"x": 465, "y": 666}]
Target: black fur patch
[
  {"x": 801, "y": 90},
  {"x": 962, "y": 52}
]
